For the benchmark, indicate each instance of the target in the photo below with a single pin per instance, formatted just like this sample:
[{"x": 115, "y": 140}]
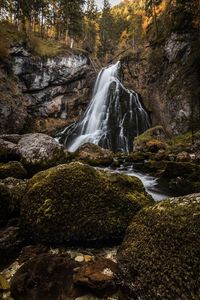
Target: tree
[
  {"x": 90, "y": 26},
  {"x": 150, "y": 7},
  {"x": 106, "y": 30}
]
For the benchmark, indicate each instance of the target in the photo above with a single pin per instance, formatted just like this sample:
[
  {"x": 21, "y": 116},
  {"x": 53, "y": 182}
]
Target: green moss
[
  {"x": 159, "y": 258},
  {"x": 75, "y": 202},
  {"x": 12, "y": 169},
  {"x": 151, "y": 140}
]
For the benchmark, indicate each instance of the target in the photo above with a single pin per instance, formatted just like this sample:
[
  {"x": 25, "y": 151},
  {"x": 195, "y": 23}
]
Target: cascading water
[{"x": 113, "y": 118}]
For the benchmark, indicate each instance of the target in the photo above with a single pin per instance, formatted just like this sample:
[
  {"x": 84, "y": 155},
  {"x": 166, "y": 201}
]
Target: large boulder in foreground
[
  {"x": 76, "y": 203},
  {"x": 159, "y": 258},
  {"x": 39, "y": 151}
]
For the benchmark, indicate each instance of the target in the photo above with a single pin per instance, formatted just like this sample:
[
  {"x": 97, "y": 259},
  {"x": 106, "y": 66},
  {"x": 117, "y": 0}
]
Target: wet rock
[
  {"x": 94, "y": 155},
  {"x": 97, "y": 277},
  {"x": 76, "y": 203},
  {"x": 10, "y": 244},
  {"x": 12, "y": 169},
  {"x": 47, "y": 277},
  {"x": 159, "y": 257},
  {"x": 39, "y": 151}
]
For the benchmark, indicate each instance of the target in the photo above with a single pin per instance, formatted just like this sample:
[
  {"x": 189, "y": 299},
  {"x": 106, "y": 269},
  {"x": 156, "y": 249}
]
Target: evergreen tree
[{"x": 106, "y": 30}]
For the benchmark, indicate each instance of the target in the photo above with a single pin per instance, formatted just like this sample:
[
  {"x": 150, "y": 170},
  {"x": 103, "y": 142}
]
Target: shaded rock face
[
  {"x": 76, "y": 203},
  {"x": 166, "y": 88},
  {"x": 159, "y": 258},
  {"x": 44, "y": 277},
  {"x": 13, "y": 104},
  {"x": 56, "y": 87}
]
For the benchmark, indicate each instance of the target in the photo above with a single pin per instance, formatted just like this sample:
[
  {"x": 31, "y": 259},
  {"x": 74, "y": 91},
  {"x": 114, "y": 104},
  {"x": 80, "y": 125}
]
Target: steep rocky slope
[
  {"x": 43, "y": 93},
  {"x": 168, "y": 86}
]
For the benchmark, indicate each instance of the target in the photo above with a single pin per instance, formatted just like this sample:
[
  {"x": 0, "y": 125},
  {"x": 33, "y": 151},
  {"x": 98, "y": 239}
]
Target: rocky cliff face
[
  {"x": 166, "y": 83},
  {"x": 58, "y": 87}
]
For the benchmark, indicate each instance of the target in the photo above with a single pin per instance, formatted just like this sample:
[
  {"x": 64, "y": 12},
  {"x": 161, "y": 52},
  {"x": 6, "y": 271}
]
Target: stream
[{"x": 150, "y": 183}]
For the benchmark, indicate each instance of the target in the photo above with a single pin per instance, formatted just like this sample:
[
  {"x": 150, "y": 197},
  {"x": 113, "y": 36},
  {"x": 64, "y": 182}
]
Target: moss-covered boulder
[
  {"x": 39, "y": 152},
  {"x": 16, "y": 189},
  {"x": 159, "y": 258},
  {"x": 76, "y": 203},
  {"x": 94, "y": 155},
  {"x": 12, "y": 169},
  {"x": 151, "y": 140}
]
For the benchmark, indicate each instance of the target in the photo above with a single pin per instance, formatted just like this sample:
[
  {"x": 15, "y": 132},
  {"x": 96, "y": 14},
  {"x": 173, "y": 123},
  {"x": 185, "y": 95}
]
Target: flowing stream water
[{"x": 150, "y": 183}]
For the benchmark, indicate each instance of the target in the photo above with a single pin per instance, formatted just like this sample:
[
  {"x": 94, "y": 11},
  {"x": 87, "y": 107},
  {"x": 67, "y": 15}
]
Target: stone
[
  {"x": 5, "y": 199},
  {"x": 15, "y": 191},
  {"x": 159, "y": 257},
  {"x": 8, "y": 151},
  {"x": 13, "y": 105},
  {"x": 39, "y": 151},
  {"x": 183, "y": 157},
  {"x": 94, "y": 155},
  {"x": 12, "y": 169},
  {"x": 75, "y": 203},
  {"x": 46, "y": 276},
  {"x": 11, "y": 243},
  {"x": 97, "y": 277},
  {"x": 151, "y": 140},
  {"x": 4, "y": 285}
]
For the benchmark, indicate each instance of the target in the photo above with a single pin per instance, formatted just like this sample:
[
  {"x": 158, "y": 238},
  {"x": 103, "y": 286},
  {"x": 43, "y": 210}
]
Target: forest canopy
[{"x": 79, "y": 23}]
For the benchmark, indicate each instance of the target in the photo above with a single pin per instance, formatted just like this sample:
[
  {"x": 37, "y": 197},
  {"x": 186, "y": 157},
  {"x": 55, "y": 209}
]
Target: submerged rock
[
  {"x": 76, "y": 203},
  {"x": 159, "y": 258},
  {"x": 39, "y": 151}
]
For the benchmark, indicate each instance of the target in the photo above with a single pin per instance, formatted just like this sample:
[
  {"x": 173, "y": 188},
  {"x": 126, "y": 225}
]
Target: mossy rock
[
  {"x": 76, "y": 203},
  {"x": 159, "y": 258},
  {"x": 94, "y": 155},
  {"x": 12, "y": 169},
  {"x": 152, "y": 140},
  {"x": 183, "y": 169},
  {"x": 17, "y": 189}
]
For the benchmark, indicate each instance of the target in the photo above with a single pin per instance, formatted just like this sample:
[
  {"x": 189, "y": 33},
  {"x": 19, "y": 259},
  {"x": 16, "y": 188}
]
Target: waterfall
[{"x": 113, "y": 118}]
